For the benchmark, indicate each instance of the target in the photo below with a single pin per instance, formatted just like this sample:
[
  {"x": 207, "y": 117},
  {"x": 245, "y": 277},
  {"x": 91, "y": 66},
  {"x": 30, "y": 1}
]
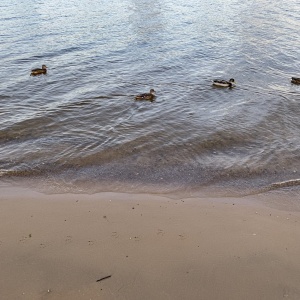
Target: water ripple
[{"x": 80, "y": 126}]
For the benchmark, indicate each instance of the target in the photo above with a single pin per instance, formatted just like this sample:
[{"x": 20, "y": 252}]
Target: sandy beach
[{"x": 135, "y": 246}]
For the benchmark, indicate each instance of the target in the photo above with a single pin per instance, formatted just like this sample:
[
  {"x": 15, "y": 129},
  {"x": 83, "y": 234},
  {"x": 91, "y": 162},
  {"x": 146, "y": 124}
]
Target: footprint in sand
[
  {"x": 160, "y": 232},
  {"x": 115, "y": 234},
  {"x": 24, "y": 239},
  {"x": 68, "y": 239},
  {"x": 182, "y": 236}
]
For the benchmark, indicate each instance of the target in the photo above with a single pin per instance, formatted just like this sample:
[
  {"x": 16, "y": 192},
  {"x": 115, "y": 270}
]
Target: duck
[
  {"x": 38, "y": 71},
  {"x": 224, "y": 83},
  {"x": 146, "y": 96},
  {"x": 295, "y": 80}
]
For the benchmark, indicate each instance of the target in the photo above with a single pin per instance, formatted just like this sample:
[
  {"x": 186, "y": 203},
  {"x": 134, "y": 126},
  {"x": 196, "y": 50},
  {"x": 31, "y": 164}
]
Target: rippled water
[{"x": 78, "y": 128}]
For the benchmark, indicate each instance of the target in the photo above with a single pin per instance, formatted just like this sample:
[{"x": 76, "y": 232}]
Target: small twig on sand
[{"x": 103, "y": 278}]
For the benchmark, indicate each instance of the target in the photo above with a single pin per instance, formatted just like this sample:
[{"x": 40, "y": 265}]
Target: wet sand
[{"x": 61, "y": 246}]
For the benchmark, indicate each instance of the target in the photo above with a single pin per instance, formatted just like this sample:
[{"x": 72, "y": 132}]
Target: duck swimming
[
  {"x": 295, "y": 80},
  {"x": 43, "y": 70},
  {"x": 146, "y": 96},
  {"x": 224, "y": 83}
]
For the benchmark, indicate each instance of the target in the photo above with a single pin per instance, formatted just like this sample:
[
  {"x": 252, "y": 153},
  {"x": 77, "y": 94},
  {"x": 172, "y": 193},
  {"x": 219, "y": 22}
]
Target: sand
[{"x": 152, "y": 247}]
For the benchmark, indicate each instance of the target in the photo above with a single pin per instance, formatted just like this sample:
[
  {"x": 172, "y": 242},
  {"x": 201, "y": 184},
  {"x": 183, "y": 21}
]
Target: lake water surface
[{"x": 79, "y": 129}]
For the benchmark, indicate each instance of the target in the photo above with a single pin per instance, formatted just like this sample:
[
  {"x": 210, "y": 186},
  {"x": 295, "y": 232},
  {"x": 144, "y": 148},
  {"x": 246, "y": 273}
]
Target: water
[{"x": 79, "y": 129}]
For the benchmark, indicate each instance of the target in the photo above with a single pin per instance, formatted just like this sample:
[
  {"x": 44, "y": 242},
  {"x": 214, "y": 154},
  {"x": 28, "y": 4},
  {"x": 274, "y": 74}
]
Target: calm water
[{"x": 79, "y": 128}]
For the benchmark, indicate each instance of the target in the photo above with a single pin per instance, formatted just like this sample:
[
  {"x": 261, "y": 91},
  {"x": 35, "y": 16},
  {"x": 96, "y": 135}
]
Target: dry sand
[{"x": 58, "y": 246}]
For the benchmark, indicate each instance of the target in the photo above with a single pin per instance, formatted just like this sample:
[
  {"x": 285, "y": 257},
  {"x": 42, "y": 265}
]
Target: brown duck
[
  {"x": 146, "y": 96},
  {"x": 295, "y": 80},
  {"x": 43, "y": 70},
  {"x": 224, "y": 83}
]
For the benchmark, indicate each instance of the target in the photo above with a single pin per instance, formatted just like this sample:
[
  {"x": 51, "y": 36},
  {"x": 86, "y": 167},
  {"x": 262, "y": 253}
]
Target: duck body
[
  {"x": 295, "y": 80},
  {"x": 38, "y": 71},
  {"x": 146, "y": 96},
  {"x": 224, "y": 83}
]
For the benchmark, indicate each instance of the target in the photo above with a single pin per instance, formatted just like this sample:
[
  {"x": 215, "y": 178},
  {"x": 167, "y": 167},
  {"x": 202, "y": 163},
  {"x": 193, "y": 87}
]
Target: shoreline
[
  {"x": 268, "y": 195},
  {"x": 61, "y": 246}
]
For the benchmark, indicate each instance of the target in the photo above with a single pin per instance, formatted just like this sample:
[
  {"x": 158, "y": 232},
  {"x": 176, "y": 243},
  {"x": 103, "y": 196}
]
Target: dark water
[{"x": 79, "y": 129}]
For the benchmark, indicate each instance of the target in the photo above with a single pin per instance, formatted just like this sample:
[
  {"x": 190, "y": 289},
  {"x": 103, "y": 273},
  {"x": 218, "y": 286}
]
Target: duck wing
[
  {"x": 36, "y": 70},
  {"x": 143, "y": 96},
  {"x": 220, "y": 81}
]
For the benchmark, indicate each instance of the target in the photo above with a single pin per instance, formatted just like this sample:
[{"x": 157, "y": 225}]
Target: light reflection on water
[{"x": 80, "y": 127}]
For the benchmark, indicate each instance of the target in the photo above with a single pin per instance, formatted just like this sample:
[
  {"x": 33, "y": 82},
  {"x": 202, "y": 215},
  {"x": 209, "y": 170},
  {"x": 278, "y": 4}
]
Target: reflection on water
[{"x": 79, "y": 129}]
